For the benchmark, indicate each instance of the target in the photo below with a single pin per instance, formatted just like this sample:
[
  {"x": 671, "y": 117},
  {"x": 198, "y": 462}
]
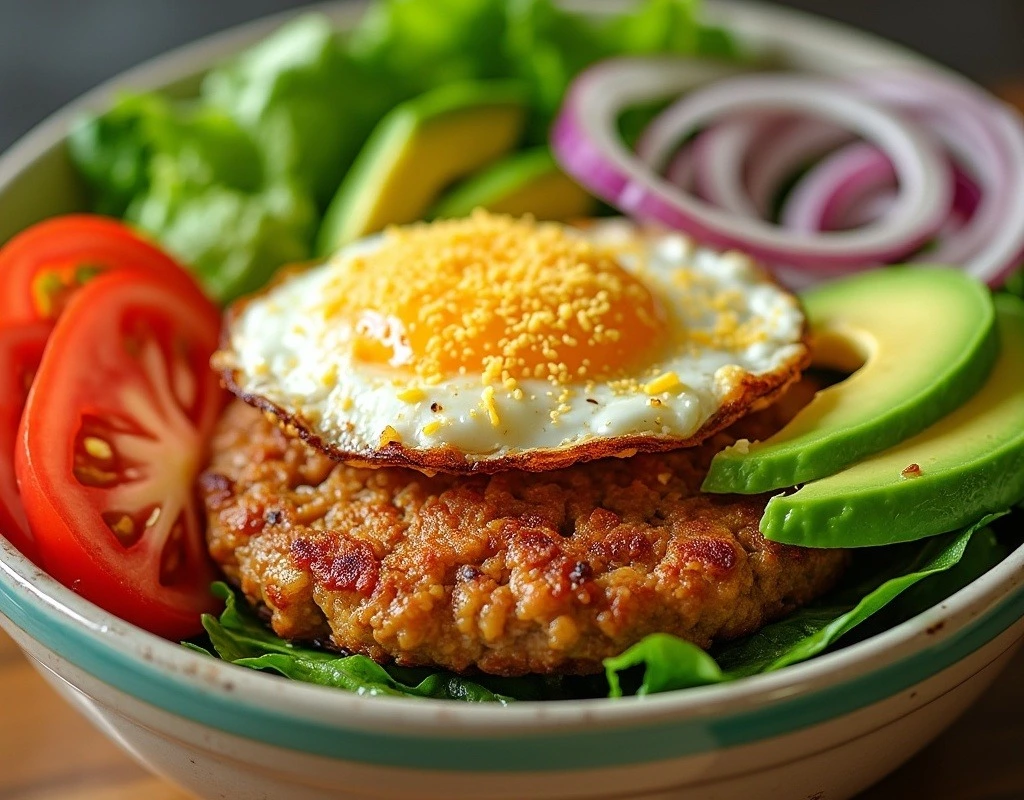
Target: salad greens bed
[
  {"x": 885, "y": 586},
  {"x": 235, "y": 183}
]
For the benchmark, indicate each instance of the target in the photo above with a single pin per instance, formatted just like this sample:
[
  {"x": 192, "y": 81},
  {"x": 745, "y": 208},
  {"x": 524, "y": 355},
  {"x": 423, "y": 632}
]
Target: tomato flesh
[
  {"x": 43, "y": 266},
  {"x": 112, "y": 437},
  {"x": 21, "y": 350}
]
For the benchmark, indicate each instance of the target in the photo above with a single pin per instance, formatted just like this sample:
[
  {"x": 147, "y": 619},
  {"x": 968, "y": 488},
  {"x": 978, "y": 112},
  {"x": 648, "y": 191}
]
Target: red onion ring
[
  {"x": 746, "y": 161},
  {"x": 857, "y": 184},
  {"x": 846, "y": 213},
  {"x": 682, "y": 171},
  {"x": 834, "y": 188},
  {"x": 987, "y": 138},
  {"x": 587, "y": 145}
]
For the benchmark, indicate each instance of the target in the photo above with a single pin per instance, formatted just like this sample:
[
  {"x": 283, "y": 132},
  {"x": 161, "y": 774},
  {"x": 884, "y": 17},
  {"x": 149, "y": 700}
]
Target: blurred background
[{"x": 53, "y": 50}]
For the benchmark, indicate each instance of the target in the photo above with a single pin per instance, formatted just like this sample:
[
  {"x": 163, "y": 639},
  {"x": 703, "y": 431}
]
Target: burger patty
[{"x": 510, "y": 573}]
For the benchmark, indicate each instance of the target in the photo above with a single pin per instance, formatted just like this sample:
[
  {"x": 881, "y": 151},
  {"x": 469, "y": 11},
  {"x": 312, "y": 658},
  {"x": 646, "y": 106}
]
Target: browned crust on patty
[{"x": 510, "y": 573}]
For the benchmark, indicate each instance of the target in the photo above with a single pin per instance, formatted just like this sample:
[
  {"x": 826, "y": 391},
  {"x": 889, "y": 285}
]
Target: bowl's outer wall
[
  {"x": 36, "y": 180},
  {"x": 834, "y": 759}
]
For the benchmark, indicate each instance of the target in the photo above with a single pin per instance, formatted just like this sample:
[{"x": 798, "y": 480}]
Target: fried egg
[{"x": 492, "y": 343}]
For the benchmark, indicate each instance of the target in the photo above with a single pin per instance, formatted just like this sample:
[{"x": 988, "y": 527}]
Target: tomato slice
[
  {"x": 21, "y": 350},
  {"x": 43, "y": 266},
  {"x": 111, "y": 440}
]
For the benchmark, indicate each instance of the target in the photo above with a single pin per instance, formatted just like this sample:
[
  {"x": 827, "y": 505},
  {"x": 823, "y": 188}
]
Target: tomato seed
[
  {"x": 124, "y": 528},
  {"x": 98, "y": 448}
]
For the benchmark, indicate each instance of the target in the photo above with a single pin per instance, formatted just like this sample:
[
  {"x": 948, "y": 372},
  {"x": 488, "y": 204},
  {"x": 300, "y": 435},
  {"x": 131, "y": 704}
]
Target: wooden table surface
[{"x": 49, "y": 752}]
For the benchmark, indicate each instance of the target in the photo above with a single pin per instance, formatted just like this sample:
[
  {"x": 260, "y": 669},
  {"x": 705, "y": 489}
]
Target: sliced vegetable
[
  {"x": 987, "y": 138},
  {"x": 863, "y": 324},
  {"x": 838, "y": 188},
  {"x": 527, "y": 182},
  {"x": 746, "y": 160},
  {"x": 586, "y": 143},
  {"x": 965, "y": 464},
  {"x": 43, "y": 266},
  {"x": 21, "y": 350},
  {"x": 417, "y": 150},
  {"x": 871, "y": 203},
  {"x": 110, "y": 442}
]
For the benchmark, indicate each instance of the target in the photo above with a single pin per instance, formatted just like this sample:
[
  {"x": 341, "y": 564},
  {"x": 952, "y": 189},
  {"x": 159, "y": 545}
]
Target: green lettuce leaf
[
  {"x": 548, "y": 45},
  {"x": 234, "y": 182},
  {"x": 193, "y": 178},
  {"x": 116, "y": 151},
  {"x": 935, "y": 568},
  {"x": 307, "y": 104},
  {"x": 232, "y": 240},
  {"x": 420, "y": 44}
]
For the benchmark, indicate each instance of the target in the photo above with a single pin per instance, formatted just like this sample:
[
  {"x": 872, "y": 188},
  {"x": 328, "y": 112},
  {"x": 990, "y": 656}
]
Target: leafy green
[
  {"x": 192, "y": 177},
  {"x": 668, "y": 663},
  {"x": 232, "y": 240},
  {"x": 934, "y": 569},
  {"x": 420, "y": 44},
  {"x": 548, "y": 45},
  {"x": 304, "y": 100},
  {"x": 239, "y": 637},
  {"x": 119, "y": 151}
]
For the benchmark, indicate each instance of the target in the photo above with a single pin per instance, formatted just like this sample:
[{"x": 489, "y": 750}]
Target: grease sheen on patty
[{"x": 510, "y": 573}]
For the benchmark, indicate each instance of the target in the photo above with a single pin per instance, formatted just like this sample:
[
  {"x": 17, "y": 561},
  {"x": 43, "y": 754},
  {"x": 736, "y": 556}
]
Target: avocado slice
[
  {"x": 966, "y": 465},
  {"x": 417, "y": 150},
  {"x": 524, "y": 183},
  {"x": 922, "y": 341}
]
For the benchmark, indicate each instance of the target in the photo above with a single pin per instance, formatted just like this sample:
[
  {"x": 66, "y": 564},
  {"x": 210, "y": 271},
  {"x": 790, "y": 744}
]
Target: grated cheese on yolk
[{"x": 509, "y": 299}]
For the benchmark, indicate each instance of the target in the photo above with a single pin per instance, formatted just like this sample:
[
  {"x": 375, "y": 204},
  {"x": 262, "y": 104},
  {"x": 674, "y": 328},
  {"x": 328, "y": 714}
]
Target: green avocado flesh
[
  {"x": 523, "y": 183},
  {"x": 969, "y": 463},
  {"x": 922, "y": 341},
  {"x": 419, "y": 149}
]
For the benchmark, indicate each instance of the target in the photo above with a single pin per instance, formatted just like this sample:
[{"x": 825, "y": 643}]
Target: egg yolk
[{"x": 507, "y": 298}]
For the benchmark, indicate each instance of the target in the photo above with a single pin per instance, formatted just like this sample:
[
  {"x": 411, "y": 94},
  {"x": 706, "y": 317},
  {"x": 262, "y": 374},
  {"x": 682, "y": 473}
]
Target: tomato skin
[
  {"x": 64, "y": 252},
  {"x": 21, "y": 350},
  {"x": 129, "y": 356}
]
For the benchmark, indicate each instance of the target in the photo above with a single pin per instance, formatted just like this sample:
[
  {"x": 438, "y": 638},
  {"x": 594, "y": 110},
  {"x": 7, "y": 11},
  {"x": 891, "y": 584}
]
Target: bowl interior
[{"x": 37, "y": 180}]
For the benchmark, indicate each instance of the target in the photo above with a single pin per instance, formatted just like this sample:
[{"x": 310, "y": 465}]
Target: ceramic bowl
[{"x": 824, "y": 729}]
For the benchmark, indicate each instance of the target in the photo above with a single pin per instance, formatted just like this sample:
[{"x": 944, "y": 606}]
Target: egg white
[{"x": 279, "y": 348}]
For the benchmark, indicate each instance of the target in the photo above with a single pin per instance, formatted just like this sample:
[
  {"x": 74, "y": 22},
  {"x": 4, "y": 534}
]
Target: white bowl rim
[{"x": 410, "y": 715}]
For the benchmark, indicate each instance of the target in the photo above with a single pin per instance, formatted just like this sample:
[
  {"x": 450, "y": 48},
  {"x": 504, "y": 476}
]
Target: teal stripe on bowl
[{"x": 525, "y": 752}]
